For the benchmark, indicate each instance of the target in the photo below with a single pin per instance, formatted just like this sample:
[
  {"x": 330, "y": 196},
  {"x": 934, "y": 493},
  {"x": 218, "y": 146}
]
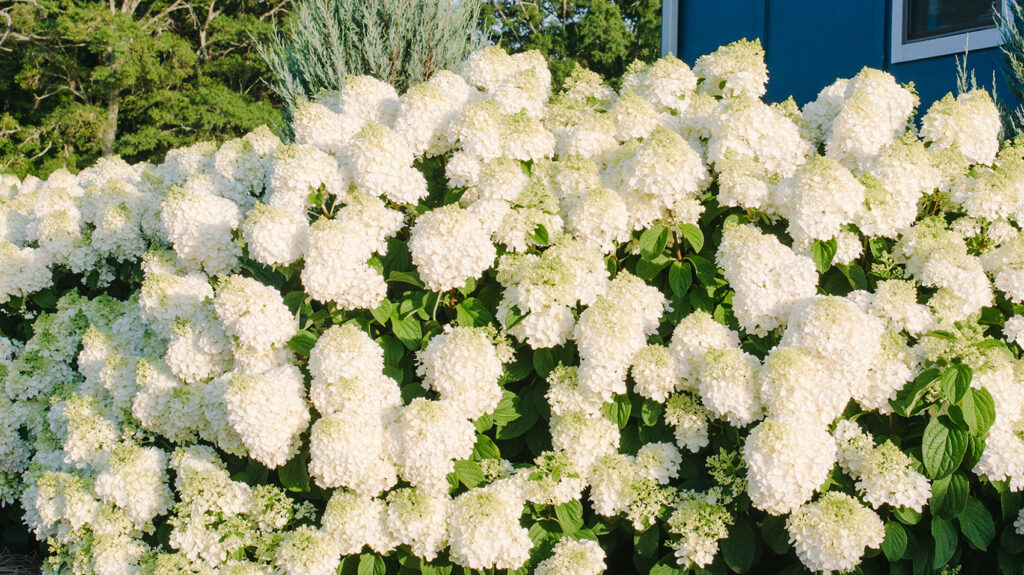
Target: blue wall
[{"x": 809, "y": 43}]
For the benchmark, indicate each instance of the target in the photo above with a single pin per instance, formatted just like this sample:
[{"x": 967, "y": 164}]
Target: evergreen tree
[{"x": 84, "y": 78}]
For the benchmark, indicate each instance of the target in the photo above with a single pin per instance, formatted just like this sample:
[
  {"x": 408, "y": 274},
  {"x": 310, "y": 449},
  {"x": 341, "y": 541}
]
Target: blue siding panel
[
  {"x": 808, "y": 43},
  {"x": 811, "y": 42},
  {"x": 704, "y": 25}
]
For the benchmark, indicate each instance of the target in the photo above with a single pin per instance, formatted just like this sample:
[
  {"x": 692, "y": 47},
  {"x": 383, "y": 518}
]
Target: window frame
[{"x": 902, "y": 51}]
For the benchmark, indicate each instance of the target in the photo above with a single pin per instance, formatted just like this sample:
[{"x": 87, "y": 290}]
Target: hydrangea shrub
[{"x": 481, "y": 327}]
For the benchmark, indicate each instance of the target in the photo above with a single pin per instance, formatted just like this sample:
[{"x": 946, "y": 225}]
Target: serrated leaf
[
  {"x": 908, "y": 399},
  {"x": 949, "y": 495},
  {"x": 302, "y": 342},
  {"x": 942, "y": 447},
  {"x": 653, "y": 241},
  {"x": 738, "y": 549},
  {"x": 976, "y": 524},
  {"x": 618, "y": 410},
  {"x": 956, "y": 380},
  {"x": 407, "y": 330},
  {"x": 823, "y": 253},
  {"x": 650, "y": 412},
  {"x": 679, "y": 278},
  {"x": 371, "y": 564},
  {"x": 945, "y": 538},
  {"x": 406, "y": 278},
  {"x": 468, "y": 473},
  {"x": 979, "y": 411},
  {"x": 513, "y": 317},
  {"x": 693, "y": 236},
  {"x": 895, "y": 543},
  {"x": 294, "y": 475},
  {"x": 472, "y": 313},
  {"x": 705, "y": 269},
  {"x": 540, "y": 235},
  {"x": 485, "y": 448},
  {"x": 570, "y": 516}
]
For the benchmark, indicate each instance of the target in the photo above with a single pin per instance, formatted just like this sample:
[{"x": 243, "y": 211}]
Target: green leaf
[
  {"x": 407, "y": 330},
  {"x": 410, "y": 278},
  {"x": 513, "y": 317},
  {"x": 382, "y": 312},
  {"x": 469, "y": 473},
  {"x": 942, "y": 447},
  {"x": 945, "y": 541},
  {"x": 472, "y": 313},
  {"x": 294, "y": 475},
  {"x": 45, "y": 299},
  {"x": 949, "y": 495},
  {"x": 485, "y": 448},
  {"x": 618, "y": 410},
  {"x": 913, "y": 393},
  {"x": 540, "y": 235},
  {"x": 646, "y": 542},
  {"x": 653, "y": 241},
  {"x": 371, "y": 564},
  {"x": 705, "y": 268},
  {"x": 956, "y": 381},
  {"x": 739, "y": 548},
  {"x": 693, "y": 236},
  {"x": 906, "y": 516},
  {"x": 773, "y": 531},
  {"x": 543, "y": 361},
  {"x": 979, "y": 411},
  {"x": 570, "y": 516},
  {"x": 302, "y": 342},
  {"x": 649, "y": 269},
  {"x": 976, "y": 524},
  {"x": 650, "y": 412},
  {"x": 679, "y": 278},
  {"x": 823, "y": 252},
  {"x": 895, "y": 543}
]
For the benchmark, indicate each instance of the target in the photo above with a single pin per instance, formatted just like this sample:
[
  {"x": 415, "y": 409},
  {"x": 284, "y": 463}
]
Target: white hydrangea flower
[
  {"x": 787, "y": 461},
  {"x": 700, "y": 521},
  {"x": 584, "y": 437},
  {"x": 484, "y": 529},
  {"x": 135, "y": 479},
  {"x": 428, "y": 437},
  {"x": 689, "y": 418},
  {"x": 351, "y": 452},
  {"x": 655, "y": 371},
  {"x": 449, "y": 247},
  {"x": 573, "y": 557},
  {"x": 419, "y": 519},
  {"x": 352, "y": 521},
  {"x": 299, "y": 171},
  {"x": 832, "y": 533},
  {"x": 734, "y": 69},
  {"x": 874, "y": 113},
  {"x": 275, "y": 235},
  {"x": 970, "y": 123},
  {"x": 463, "y": 366},
  {"x": 254, "y": 313},
  {"x": 269, "y": 411},
  {"x": 820, "y": 198},
  {"x": 729, "y": 386},
  {"x": 200, "y": 227}
]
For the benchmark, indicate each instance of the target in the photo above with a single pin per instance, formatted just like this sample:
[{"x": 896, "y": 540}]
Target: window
[{"x": 927, "y": 28}]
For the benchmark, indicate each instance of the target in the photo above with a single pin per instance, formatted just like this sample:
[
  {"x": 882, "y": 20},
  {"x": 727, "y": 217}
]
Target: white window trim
[
  {"x": 670, "y": 27},
  {"x": 941, "y": 46}
]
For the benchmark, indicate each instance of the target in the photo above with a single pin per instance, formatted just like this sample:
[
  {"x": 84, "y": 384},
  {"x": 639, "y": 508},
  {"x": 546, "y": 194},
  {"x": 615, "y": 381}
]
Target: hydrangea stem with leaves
[{"x": 480, "y": 327}]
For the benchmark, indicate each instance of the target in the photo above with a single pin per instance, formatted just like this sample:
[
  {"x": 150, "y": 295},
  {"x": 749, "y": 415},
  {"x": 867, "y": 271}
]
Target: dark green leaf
[
  {"x": 976, "y": 524},
  {"x": 942, "y": 447},
  {"x": 679, "y": 278},
  {"x": 650, "y": 412},
  {"x": 294, "y": 475},
  {"x": 949, "y": 495},
  {"x": 649, "y": 269},
  {"x": 513, "y": 317},
  {"x": 739, "y": 548},
  {"x": 823, "y": 252},
  {"x": 653, "y": 241},
  {"x": 895, "y": 543},
  {"x": 945, "y": 541},
  {"x": 693, "y": 236},
  {"x": 906, "y": 515},
  {"x": 705, "y": 268},
  {"x": 646, "y": 542},
  {"x": 956, "y": 380},
  {"x": 302, "y": 342},
  {"x": 405, "y": 277},
  {"x": 382, "y": 312},
  {"x": 913, "y": 393},
  {"x": 485, "y": 448},
  {"x": 543, "y": 361},
  {"x": 570, "y": 516}
]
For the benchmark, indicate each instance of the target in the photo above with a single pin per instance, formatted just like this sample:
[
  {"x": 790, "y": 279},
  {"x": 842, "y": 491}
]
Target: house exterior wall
[{"x": 808, "y": 43}]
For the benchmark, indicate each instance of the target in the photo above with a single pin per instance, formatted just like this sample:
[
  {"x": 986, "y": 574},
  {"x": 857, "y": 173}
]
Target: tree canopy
[
  {"x": 84, "y": 78},
  {"x": 602, "y": 35}
]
